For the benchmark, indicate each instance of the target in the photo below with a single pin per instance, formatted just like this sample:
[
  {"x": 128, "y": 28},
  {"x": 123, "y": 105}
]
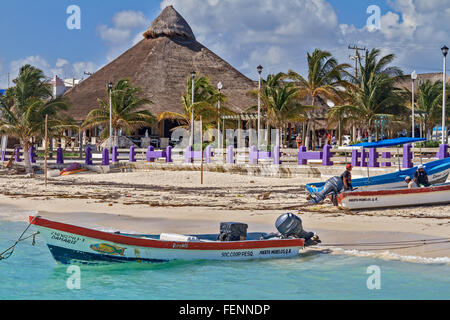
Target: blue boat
[{"x": 438, "y": 171}]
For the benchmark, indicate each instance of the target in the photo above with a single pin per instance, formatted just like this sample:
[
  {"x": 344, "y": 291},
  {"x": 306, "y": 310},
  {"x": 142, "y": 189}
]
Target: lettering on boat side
[
  {"x": 228, "y": 309},
  {"x": 276, "y": 251},
  {"x": 363, "y": 200},
  {"x": 70, "y": 239},
  {"x": 237, "y": 254},
  {"x": 180, "y": 246}
]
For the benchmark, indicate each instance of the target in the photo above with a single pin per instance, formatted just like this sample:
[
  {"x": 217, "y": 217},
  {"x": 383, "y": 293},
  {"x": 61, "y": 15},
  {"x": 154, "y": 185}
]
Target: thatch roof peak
[{"x": 169, "y": 23}]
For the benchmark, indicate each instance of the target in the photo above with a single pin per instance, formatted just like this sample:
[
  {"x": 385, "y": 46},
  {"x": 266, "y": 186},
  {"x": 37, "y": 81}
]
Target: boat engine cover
[
  {"x": 290, "y": 225},
  {"x": 332, "y": 186}
]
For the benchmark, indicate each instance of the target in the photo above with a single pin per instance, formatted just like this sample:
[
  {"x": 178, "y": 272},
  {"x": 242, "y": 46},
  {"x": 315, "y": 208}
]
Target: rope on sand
[{"x": 8, "y": 252}]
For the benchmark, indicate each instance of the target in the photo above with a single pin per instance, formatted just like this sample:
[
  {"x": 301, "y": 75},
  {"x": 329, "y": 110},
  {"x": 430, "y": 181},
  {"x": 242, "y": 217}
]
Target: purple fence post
[
  {"x": 327, "y": 154},
  {"x": 355, "y": 155},
  {"x": 208, "y": 153},
  {"x": 115, "y": 155},
  {"x": 407, "y": 157},
  {"x": 276, "y": 155},
  {"x": 150, "y": 156},
  {"x": 32, "y": 155},
  {"x": 59, "y": 156},
  {"x": 17, "y": 157},
  {"x": 253, "y": 157},
  {"x": 132, "y": 156},
  {"x": 88, "y": 158},
  {"x": 105, "y": 157},
  {"x": 3, "y": 156},
  {"x": 230, "y": 155},
  {"x": 169, "y": 154},
  {"x": 373, "y": 157},
  {"x": 386, "y": 155},
  {"x": 301, "y": 160},
  {"x": 443, "y": 152},
  {"x": 188, "y": 156},
  {"x": 363, "y": 158}
]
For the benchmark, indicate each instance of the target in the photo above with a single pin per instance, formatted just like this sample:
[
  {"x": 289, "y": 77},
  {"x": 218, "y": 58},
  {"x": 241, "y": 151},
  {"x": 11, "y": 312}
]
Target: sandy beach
[{"x": 175, "y": 201}]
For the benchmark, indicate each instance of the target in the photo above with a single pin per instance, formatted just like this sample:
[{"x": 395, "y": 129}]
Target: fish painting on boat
[{"x": 108, "y": 249}]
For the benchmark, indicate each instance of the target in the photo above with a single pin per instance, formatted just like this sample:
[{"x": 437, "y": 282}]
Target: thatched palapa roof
[
  {"x": 169, "y": 23},
  {"x": 160, "y": 64}
]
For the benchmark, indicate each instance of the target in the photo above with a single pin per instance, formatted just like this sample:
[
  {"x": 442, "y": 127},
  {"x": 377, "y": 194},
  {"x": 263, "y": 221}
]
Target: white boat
[
  {"x": 395, "y": 197},
  {"x": 72, "y": 244}
]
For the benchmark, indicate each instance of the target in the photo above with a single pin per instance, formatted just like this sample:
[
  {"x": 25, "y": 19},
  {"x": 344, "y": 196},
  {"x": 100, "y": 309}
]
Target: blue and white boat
[{"x": 438, "y": 172}]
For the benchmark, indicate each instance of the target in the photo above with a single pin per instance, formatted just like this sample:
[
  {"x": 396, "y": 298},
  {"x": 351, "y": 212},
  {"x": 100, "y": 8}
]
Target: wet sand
[{"x": 168, "y": 201}]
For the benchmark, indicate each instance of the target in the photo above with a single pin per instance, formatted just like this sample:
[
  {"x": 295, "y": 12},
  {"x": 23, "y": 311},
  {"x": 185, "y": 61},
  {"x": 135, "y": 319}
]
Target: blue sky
[{"x": 275, "y": 33}]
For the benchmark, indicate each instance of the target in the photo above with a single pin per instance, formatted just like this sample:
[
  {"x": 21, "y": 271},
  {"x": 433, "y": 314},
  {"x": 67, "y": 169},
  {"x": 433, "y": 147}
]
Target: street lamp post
[
  {"x": 444, "y": 53},
  {"x": 260, "y": 69},
  {"x": 110, "y": 87},
  {"x": 192, "y": 107},
  {"x": 219, "y": 136},
  {"x": 413, "y": 78}
]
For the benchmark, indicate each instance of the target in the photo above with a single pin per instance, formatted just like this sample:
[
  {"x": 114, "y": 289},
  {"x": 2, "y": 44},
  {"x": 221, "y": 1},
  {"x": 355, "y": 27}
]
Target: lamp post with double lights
[
  {"x": 444, "y": 53},
  {"x": 413, "y": 78},
  {"x": 110, "y": 88},
  {"x": 192, "y": 107},
  {"x": 260, "y": 69},
  {"x": 219, "y": 136}
]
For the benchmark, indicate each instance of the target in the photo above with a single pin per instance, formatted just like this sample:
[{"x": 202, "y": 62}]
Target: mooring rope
[
  {"x": 410, "y": 243},
  {"x": 8, "y": 252}
]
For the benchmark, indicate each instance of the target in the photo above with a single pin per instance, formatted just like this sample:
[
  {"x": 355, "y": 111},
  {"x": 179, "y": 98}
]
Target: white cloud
[
  {"x": 278, "y": 34},
  {"x": 122, "y": 34},
  {"x": 130, "y": 20},
  {"x": 62, "y": 67}
]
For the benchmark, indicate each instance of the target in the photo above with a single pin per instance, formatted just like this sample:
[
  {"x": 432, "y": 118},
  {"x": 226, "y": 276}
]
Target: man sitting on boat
[
  {"x": 347, "y": 178},
  {"x": 421, "y": 177},
  {"x": 411, "y": 184}
]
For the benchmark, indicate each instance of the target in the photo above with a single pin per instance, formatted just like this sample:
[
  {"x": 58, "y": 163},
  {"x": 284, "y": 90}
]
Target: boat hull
[
  {"x": 395, "y": 198},
  {"x": 75, "y": 245}
]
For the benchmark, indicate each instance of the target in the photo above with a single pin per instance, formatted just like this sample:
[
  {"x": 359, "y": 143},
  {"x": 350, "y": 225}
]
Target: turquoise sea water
[{"x": 31, "y": 273}]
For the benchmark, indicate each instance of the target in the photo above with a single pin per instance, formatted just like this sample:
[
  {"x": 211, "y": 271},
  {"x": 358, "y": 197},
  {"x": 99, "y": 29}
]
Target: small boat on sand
[
  {"x": 439, "y": 194},
  {"x": 71, "y": 244}
]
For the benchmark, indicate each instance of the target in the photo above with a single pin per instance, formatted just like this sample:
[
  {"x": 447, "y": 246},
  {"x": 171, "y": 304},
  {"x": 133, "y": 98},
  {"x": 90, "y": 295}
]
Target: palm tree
[
  {"x": 128, "y": 113},
  {"x": 428, "y": 103},
  {"x": 375, "y": 96},
  {"x": 326, "y": 80},
  {"x": 280, "y": 102},
  {"x": 206, "y": 97},
  {"x": 25, "y": 107}
]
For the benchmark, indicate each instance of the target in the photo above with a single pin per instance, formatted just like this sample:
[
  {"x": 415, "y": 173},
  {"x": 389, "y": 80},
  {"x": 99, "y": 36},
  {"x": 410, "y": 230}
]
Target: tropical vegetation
[
  {"x": 25, "y": 106},
  {"x": 128, "y": 113}
]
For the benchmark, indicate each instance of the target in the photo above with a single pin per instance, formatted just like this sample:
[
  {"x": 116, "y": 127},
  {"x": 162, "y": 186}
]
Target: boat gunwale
[
  {"x": 161, "y": 244},
  {"x": 394, "y": 191}
]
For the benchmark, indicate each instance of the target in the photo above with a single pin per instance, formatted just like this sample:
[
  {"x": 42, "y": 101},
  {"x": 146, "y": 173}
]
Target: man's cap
[
  {"x": 408, "y": 178},
  {"x": 349, "y": 166},
  {"x": 421, "y": 167}
]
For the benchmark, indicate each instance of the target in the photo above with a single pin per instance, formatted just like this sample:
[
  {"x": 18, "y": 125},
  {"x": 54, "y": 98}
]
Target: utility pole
[{"x": 356, "y": 57}]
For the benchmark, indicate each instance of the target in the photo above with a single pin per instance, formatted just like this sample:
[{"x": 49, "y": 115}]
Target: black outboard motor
[
  {"x": 289, "y": 225},
  {"x": 333, "y": 186}
]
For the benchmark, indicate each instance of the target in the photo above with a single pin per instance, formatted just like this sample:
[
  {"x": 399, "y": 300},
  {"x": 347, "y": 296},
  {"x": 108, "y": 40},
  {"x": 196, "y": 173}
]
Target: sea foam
[{"x": 387, "y": 255}]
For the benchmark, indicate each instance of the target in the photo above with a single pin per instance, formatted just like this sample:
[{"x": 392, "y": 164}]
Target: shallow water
[{"x": 31, "y": 273}]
